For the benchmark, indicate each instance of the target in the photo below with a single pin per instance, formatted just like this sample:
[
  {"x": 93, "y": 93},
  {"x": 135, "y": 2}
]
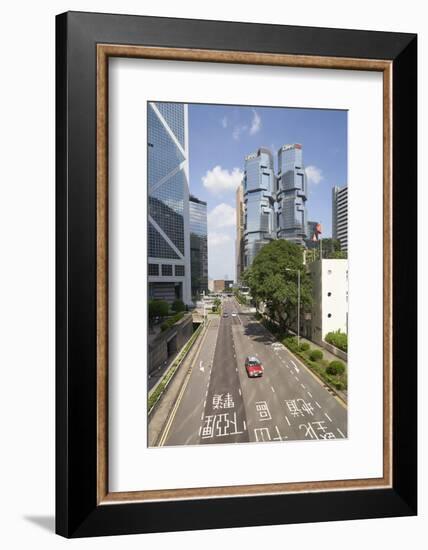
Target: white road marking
[
  {"x": 239, "y": 389},
  {"x": 202, "y": 416},
  {"x": 341, "y": 433},
  {"x": 205, "y": 402},
  {"x": 273, "y": 389},
  {"x": 296, "y": 378},
  {"x": 294, "y": 365},
  {"x": 245, "y": 425},
  {"x": 310, "y": 395},
  {"x": 236, "y": 368},
  {"x": 328, "y": 416},
  {"x": 288, "y": 422},
  {"x": 303, "y": 386},
  {"x": 318, "y": 405},
  {"x": 201, "y": 366},
  {"x": 200, "y": 428}
]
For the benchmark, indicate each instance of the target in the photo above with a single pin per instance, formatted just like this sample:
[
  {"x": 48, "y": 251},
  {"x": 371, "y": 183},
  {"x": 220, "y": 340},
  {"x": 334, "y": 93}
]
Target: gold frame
[{"x": 104, "y": 52}]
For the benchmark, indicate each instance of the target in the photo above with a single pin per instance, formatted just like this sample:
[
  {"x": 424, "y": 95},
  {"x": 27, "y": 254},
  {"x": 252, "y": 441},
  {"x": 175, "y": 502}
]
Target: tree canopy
[{"x": 273, "y": 279}]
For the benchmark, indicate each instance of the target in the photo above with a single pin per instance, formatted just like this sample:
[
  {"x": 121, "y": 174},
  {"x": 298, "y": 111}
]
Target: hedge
[
  {"x": 338, "y": 339},
  {"x": 335, "y": 367},
  {"x": 171, "y": 321}
]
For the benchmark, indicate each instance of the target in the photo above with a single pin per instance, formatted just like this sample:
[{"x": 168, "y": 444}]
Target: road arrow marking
[{"x": 294, "y": 365}]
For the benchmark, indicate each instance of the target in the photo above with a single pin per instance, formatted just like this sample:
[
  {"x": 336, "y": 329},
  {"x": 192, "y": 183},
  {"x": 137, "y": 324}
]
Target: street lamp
[{"x": 298, "y": 302}]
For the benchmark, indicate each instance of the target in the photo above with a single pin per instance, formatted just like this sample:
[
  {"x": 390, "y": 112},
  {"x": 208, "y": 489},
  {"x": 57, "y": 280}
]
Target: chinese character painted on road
[
  {"x": 279, "y": 436},
  {"x": 220, "y": 402},
  {"x": 263, "y": 410},
  {"x": 262, "y": 434},
  {"x": 298, "y": 407},
  {"x": 316, "y": 430},
  {"x": 228, "y": 402},
  {"x": 220, "y": 425}
]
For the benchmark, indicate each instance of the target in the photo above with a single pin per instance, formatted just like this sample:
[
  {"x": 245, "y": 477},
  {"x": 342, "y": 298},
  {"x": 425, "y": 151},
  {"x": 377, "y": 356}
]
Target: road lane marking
[
  {"x": 296, "y": 378},
  {"x": 245, "y": 425},
  {"x": 328, "y": 417},
  {"x": 309, "y": 393},
  {"x": 303, "y": 386},
  {"x": 294, "y": 365},
  {"x": 236, "y": 368},
  {"x": 205, "y": 403},
  {"x": 180, "y": 395},
  {"x": 319, "y": 406},
  {"x": 200, "y": 428},
  {"x": 239, "y": 389},
  {"x": 341, "y": 433},
  {"x": 288, "y": 422},
  {"x": 202, "y": 415},
  {"x": 273, "y": 389}
]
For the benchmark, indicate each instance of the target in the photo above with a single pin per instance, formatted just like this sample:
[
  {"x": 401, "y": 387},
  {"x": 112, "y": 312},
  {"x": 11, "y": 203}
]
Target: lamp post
[{"x": 298, "y": 302}]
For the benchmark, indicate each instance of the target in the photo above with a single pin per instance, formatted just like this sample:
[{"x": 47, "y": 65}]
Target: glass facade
[
  {"x": 168, "y": 201},
  {"x": 291, "y": 195},
  {"x": 198, "y": 246},
  {"x": 340, "y": 216},
  {"x": 259, "y": 188}
]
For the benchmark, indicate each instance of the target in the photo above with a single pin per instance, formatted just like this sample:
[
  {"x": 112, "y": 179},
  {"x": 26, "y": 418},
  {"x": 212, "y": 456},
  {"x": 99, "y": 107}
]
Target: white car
[{"x": 234, "y": 314}]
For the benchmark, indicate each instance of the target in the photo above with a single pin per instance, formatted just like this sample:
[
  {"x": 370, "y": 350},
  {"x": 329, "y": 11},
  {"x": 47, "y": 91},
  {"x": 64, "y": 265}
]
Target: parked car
[
  {"x": 254, "y": 367},
  {"x": 225, "y": 314},
  {"x": 234, "y": 314}
]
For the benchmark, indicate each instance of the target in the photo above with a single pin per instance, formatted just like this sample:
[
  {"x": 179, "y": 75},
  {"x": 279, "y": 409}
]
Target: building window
[
  {"x": 179, "y": 270},
  {"x": 154, "y": 269},
  {"x": 167, "y": 270}
]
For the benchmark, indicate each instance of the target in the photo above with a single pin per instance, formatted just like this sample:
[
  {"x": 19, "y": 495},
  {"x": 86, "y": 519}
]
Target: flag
[{"x": 317, "y": 232}]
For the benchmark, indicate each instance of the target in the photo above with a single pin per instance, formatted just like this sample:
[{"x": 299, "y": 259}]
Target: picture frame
[{"x": 84, "y": 44}]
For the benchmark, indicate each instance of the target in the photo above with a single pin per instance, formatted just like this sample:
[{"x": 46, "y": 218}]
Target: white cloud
[
  {"x": 314, "y": 174},
  {"x": 220, "y": 180},
  {"x": 238, "y": 130},
  {"x": 224, "y": 122},
  {"x": 217, "y": 239},
  {"x": 256, "y": 123},
  {"x": 223, "y": 215}
]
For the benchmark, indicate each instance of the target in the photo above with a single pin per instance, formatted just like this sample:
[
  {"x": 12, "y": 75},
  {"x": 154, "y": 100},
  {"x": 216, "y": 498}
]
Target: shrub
[
  {"x": 338, "y": 339},
  {"x": 316, "y": 355},
  {"x": 304, "y": 346},
  {"x": 291, "y": 342},
  {"x": 178, "y": 305},
  {"x": 171, "y": 321},
  {"x": 339, "y": 385},
  {"x": 336, "y": 367}
]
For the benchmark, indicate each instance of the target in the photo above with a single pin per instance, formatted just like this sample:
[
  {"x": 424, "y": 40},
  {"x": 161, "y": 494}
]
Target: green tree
[
  {"x": 273, "y": 278},
  {"x": 331, "y": 250},
  {"x": 178, "y": 305},
  {"x": 158, "y": 308}
]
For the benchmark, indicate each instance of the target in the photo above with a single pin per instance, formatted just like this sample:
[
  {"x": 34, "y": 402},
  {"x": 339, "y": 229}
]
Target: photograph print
[{"x": 247, "y": 274}]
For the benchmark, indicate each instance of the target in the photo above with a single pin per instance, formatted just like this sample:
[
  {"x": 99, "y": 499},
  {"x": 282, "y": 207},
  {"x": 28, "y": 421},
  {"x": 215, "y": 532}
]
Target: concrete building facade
[
  {"x": 330, "y": 298},
  {"x": 239, "y": 243},
  {"x": 198, "y": 246}
]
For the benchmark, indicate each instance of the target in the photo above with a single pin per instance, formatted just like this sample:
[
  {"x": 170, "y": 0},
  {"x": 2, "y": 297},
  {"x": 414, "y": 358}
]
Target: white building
[{"x": 330, "y": 297}]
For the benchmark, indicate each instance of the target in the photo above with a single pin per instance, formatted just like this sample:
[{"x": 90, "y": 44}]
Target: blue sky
[{"x": 221, "y": 136}]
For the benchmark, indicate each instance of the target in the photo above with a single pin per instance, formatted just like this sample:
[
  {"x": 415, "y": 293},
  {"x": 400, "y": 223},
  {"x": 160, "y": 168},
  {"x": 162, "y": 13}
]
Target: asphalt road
[{"x": 220, "y": 404}]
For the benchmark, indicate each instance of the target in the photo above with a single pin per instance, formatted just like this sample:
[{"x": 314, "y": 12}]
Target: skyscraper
[
  {"x": 258, "y": 188},
  {"x": 198, "y": 246},
  {"x": 291, "y": 195},
  {"x": 239, "y": 245},
  {"x": 340, "y": 216},
  {"x": 168, "y": 202}
]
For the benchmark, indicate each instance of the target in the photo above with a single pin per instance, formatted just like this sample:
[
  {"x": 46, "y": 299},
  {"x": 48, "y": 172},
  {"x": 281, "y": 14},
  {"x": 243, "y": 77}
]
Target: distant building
[
  {"x": 239, "y": 243},
  {"x": 228, "y": 284},
  {"x": 340, "y": 216},
  {"x": 310, "y": 242},
  {"x": 258, "y": 190},
  {"x": 198, "y": 246},
  {"x": 330, "y": 297},
  {"x": 168, "y": 202},
  {"x": 291, "y": 195},
  {"x": 211, "y": 285},
  {"x": 218, "y": 285}
]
